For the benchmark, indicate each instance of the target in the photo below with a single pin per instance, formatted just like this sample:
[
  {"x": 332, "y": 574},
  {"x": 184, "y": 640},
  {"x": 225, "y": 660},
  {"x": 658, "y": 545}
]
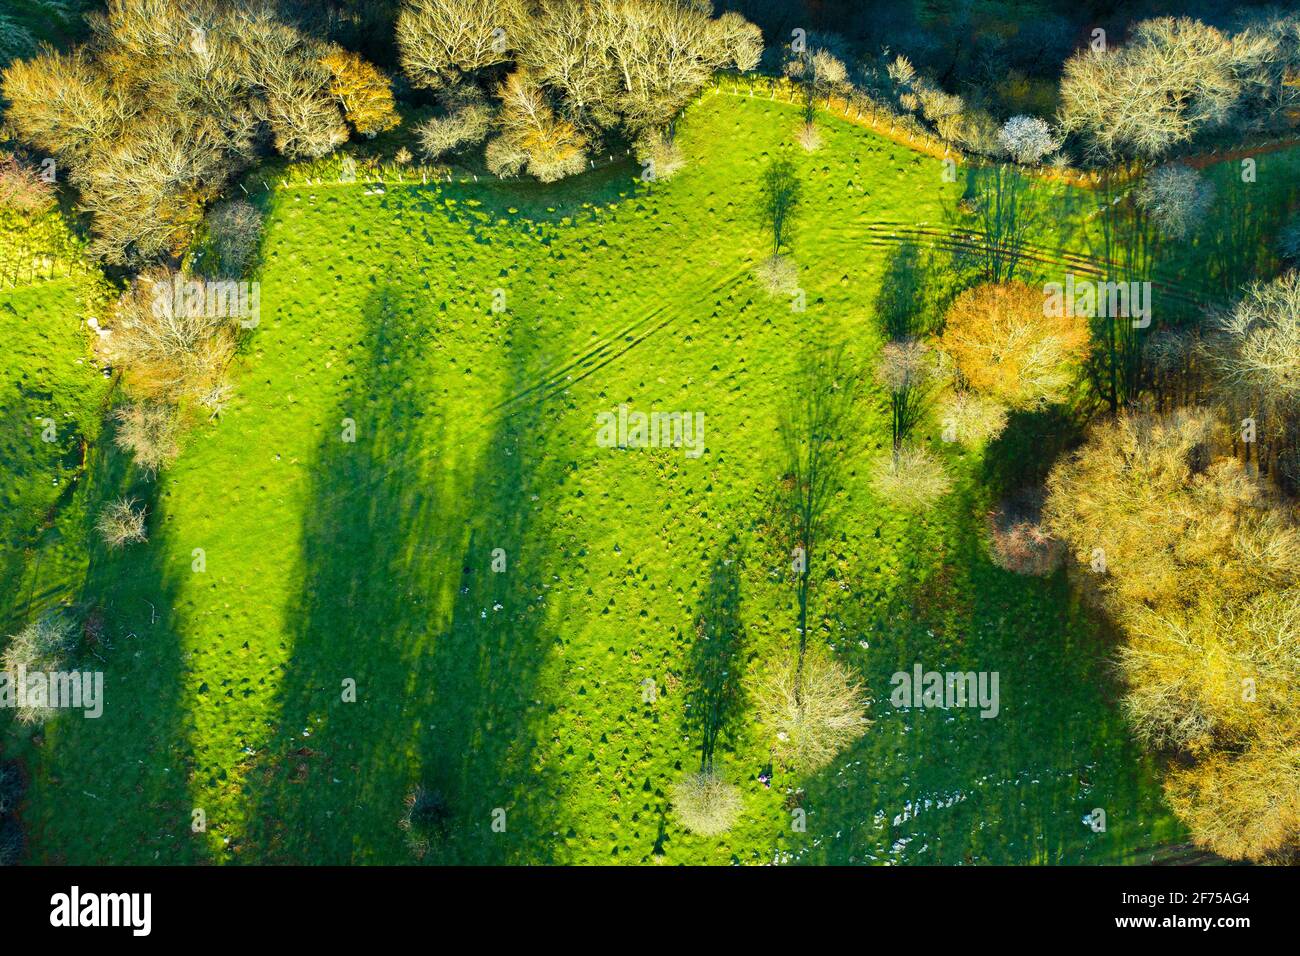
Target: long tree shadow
[
  {"x": 136, "y": 755},
  {"x": 817, "y": 439},
  {"x": 485, "y": 667},
  {"x": 1011, "y": 788},
  {"x": 372, "y": 564},
  {"x": 900, "y": 303},
  {"x": 1238, "y": 234},
  {"x": 413, "y": 663},
  {"x": 718, "y": 657},
  {"x": 1033, "y": 441}
]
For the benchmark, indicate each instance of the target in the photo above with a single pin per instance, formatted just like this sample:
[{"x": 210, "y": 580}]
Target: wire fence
[
  {"x": 862, "y": 110},
  {"x": 335, "y": 170},
  {"x": 26, "y": 267}
]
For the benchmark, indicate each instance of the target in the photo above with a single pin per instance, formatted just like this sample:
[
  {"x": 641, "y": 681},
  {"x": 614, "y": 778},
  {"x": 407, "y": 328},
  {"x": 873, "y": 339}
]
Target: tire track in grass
[
  {"x": 964, "y": 239},
  {"x": 604, "y": 353},
  {"x": 601, "y": 347},
  {"x": 882, "y": 234}
]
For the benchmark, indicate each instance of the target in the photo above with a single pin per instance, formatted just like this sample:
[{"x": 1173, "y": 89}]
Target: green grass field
[
  {"x": 51, "y": 407},
  {"x": 327, "y": 560}
]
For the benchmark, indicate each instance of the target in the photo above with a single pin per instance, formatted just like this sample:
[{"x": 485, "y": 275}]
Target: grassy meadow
[{"x": 467, "y": 336}]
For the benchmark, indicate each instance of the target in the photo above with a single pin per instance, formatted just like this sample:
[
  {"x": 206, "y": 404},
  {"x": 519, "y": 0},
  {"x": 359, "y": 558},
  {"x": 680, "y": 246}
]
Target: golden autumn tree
[
  {"x": 532, "y": 135},
  {"x": 1198, "y": 564},
  {"x": 166, "y": 102},
  {"x": 1007, "y": 346},
  {"x": 364, "y": 91}
]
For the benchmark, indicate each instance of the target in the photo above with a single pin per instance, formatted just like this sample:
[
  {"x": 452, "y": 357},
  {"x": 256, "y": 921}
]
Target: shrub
[
  {"x": 172, "y": 347},
  {"x": 1177, "y": 197},
  {"x": 659, "y": 153},
  {"x": 1007, "y": 346},
  {"x": 43, "y": 645},
  {"x": 972, "y": 419},
  {"x": 705, "y": 803},
  {"x": 122, "y": 523},
  {"x": 150, "y": 432},
  {"x": 811, "y": 724},
  {"x": 426, "y": 820},
  {"x": 235, "y": 228},
  {"x": 810, "y": 138},
  {"x": 911, "y": 477},
  {"x": 778, "y": 275},
  {"x": 22, "y": 188},
  {"x": 1017, "y": 541}
]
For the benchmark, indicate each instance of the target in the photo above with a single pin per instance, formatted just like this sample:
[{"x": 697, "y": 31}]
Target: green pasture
[{"x": 468, "y": 335}]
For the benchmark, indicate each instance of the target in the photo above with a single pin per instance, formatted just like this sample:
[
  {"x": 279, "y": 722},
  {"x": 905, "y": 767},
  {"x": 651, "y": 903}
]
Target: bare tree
[
  {"x": 778, "y": 197},
  {"x": 172, "y": 345},
  {"x": 1196, "y": 562},
  {"x": 1177, "y": 198},
  {"x": 1173, "y": 79},
  {"x": 1027, "y": 139},
  {"x": 911, "y": 372},
  {"x": 441, "y": 41},
  {"x": 566, "y": 50},
  {"x": 59, "y": 103},
  {"x": 1006, "y": 345},
  {"x": 363, "y": 91},
  {"x": 122, "y": 523},
  {"x": 815, "y": 430},
  {"x": 553, "y": 147},
  {"x": 1255, "y": 355},
  {"x": 168, "y": 100}
]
